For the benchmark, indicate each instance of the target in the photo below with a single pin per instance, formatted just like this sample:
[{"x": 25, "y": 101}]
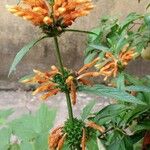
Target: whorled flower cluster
[
  {"x": 75, "y": 136},
  {"x": 110, "y": 65},
  {"x": 57, "y": 12},
  {"x": 52, "y": 82}
]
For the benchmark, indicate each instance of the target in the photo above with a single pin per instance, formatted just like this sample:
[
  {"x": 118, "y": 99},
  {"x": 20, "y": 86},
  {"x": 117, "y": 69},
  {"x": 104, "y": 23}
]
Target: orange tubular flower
[
  {"x": 45, "y": 82},
  {"x": 61, "y": 13},
  {"x": 77, "y": 77},
  {"x": 53, "y": 81},
  {"x": 112, "y": 64},
  {"x": 56, "y": 139},
  {"x": 58, "y": 136}
]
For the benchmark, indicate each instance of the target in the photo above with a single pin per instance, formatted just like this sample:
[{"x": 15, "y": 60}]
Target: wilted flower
[
  {"x": 51, "y": 16},
  {"x": 53, "y": 81},
  {"x": 112, "y": 64},
  {"x": 75, "y": 136}
]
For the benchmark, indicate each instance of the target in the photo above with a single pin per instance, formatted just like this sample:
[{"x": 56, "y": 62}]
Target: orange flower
[
  {"x": 41, "y": 12},
  {"x": 53, "y": 81},
  {"x": 111, "y": 64},
  {"x": 77, "y": 77},
  {"x": 57, "y": 136},
  {"x": 45, "y": 81}
]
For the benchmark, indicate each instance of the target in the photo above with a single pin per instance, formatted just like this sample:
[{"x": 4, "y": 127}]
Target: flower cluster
[
  {"x": 52, "y": 82},
  {"x": 57, "y": 14},
  {"x": 111, "y": 64},
  {"x": 75, "y": 136}
]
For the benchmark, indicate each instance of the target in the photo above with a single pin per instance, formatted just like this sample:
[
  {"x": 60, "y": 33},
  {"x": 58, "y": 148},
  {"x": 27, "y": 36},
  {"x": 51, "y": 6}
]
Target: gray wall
[{"x": 15, "y": 33}]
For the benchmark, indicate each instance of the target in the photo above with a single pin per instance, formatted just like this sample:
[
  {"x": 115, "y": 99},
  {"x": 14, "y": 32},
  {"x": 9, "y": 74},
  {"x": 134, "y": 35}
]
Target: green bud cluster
[
  {"x": 61, "y": 80},
  {"x": 74, "y": 132}
]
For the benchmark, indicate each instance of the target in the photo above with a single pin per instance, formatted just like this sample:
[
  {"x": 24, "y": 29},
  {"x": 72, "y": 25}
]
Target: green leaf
[
  {"x": 5, "y": 134},
  {"x": 100, "y": 47},
  {"x": 142, "y": 126},
  {"x": 14, "y": 147},
  {"x": 90, "y": 57},
  {"x": 93, "y": 37},
  {"x": 24, "y": 127},
  {"x": 120, "y": 44},
  {"x": 135, "y": 113},
  {"x": 110, "y": 112},
  {"x": 87, "y": 110},
  {"x": 100, "y": 145},
  {"x": 41, "y": 141},
  {"x": 92, "y": 144},
  {"x": 138, "y": 145},
  {"x": 111, "y": 92},
  {"x": 34, "y": 129},
  {"x": 132, "y": 79},
  {"x": 120, "y": 141},
  {"x": 26, "y": 77},
  {"x": 147, "y": 20},
  {"x": 4, "y": 114},
  {"x": 129, "y": 19},
  {"x": 45, "y": 118},
  {"x": 120, "y": 81},
  {"x": 26, "y": 146},
  {"x": 22, "y": 53},
  {"x": 137, "y": 88}
]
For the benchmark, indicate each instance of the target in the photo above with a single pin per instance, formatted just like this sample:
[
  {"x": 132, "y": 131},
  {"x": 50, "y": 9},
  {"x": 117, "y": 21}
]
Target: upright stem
[{"x": 59, "y": 60}]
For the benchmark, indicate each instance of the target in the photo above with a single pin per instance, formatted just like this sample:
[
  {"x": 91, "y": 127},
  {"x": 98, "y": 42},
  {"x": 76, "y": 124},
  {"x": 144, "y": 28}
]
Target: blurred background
[{"x": 15, "y": 33}]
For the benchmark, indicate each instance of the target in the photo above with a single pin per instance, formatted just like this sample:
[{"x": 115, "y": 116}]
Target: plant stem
[
  {"x": 81, "y": 31},
  {"x": 59, "y": 60}
]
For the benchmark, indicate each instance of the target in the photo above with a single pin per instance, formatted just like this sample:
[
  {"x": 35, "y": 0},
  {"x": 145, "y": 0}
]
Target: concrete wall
[{"x": 15, "y": 33}]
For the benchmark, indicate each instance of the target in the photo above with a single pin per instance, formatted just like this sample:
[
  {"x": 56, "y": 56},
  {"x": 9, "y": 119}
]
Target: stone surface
[
  {"x": 23, "y": 102},
  {"x": 15, "y": 33}
]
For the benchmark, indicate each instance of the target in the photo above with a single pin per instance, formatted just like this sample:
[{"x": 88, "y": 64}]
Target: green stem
[
  {"x": 59, "y": 60},
  {"x": 81, "y": 31},
  {"x": 58, "y": 55}
]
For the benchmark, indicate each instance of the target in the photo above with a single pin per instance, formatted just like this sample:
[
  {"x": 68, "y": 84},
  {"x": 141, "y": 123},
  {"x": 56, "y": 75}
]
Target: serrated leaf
[
  {"x": 22, "y": 53},
  {"x": 137, "y": 88},
  {"x": 45, "y": 118},
  {"x": 111, "y": 92},
  {"x": 136, "y": 112},
  {"x": 87, "y": 110},
  {"x": 34, "y": 128},
  {"x": 109, "y": 112},
  {"x": 24, "y": 127},
  {"x": 120, "y": 81}
]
